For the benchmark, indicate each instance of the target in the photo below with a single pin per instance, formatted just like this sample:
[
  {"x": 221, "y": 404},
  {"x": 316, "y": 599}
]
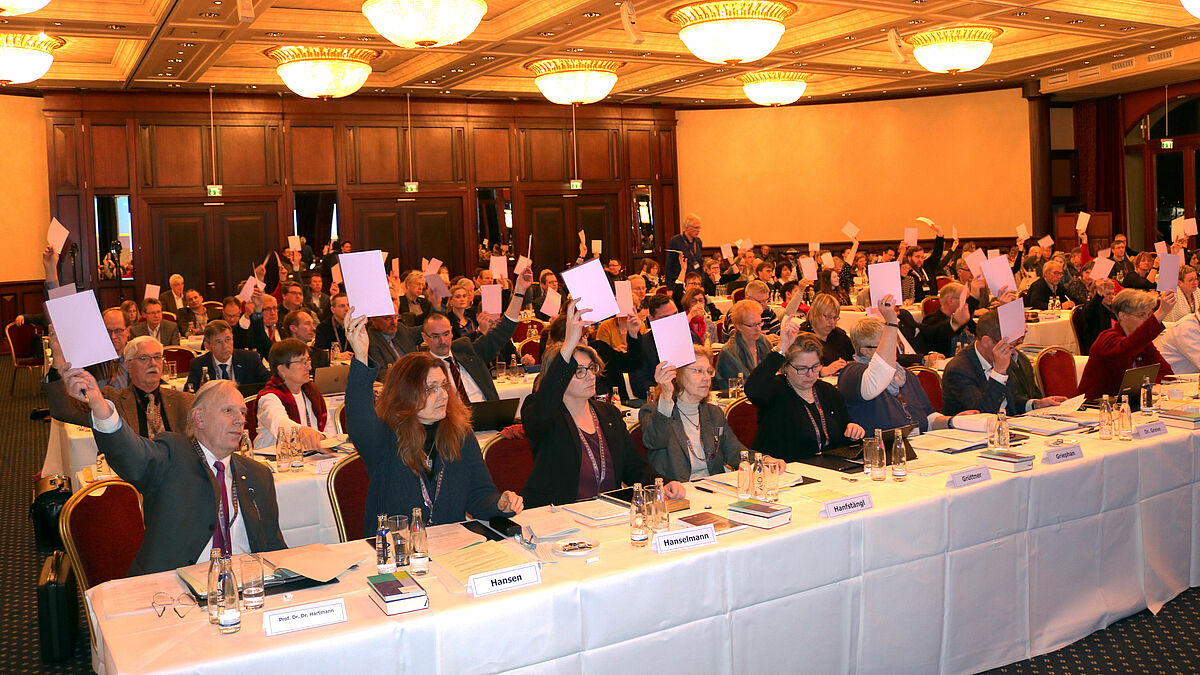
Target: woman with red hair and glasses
[{"x": 417, "y": 441}]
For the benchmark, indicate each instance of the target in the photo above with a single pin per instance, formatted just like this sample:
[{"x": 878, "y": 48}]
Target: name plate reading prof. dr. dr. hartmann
[
  {"x": 836, "y": 508},
  {"x": 688, "y": 537},
  {"x": 300, "y": 617},
  {"x": 970, "y": 476},
  {"x": 505, "y": 579}
]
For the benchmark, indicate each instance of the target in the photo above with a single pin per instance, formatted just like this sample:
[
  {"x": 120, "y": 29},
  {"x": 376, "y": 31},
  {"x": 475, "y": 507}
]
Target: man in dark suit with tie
[
  {"x": 196, "y": 494},
  {"x": 991, "y": 373},
  {"x": 223, "y": 362},
  {"x": 468, "y": 360},
  {"x": 315, "y": 297},
  {"x": 388, "y": 341},
  {"x": 166, "y": 332},
  {"x": 302, "y": 325}
]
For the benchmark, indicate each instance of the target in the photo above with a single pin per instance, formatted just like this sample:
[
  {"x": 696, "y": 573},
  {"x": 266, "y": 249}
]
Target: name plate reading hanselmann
[
  {"x": 506, "y": 579},
  {"x": 677, "y": 540}
]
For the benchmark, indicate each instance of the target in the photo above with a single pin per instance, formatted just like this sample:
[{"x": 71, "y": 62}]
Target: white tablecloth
[
  {"x": 931, "y": 580},
  {"x": 1052, "y": 331}
]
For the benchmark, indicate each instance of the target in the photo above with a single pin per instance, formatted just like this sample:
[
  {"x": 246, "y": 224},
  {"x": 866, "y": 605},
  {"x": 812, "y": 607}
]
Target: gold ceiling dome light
[
  {"x": 956, "y": 49},
  {"x": 323, "y": 72},
  {"x": 737, "y": 31},
  {"x": 25, "y": 57},
  {"x": 424, "y": 23},
  {"x": 1193, "y": 7},
  {"x": 774, "y": 87},
  {"x": 19, "y": 7},
  {"x": 570, "y": 81}
]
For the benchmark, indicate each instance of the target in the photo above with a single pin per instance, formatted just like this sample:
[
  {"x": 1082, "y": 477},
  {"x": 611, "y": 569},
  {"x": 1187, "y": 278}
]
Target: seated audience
[
  {"x": 1187, "y": 295},
  {"x": 389, "y": 341},
  {"x": 991, "y": 374},
  {"x": 223, "y": 361},
  {"x": 412, "y": 301},
  {"x": 194, "y": 315},
  {"x": 1050, "y": 285},
  {"x": 302, "y": 325},
  {"x": 1179, "y": 344},
  {"x": 799, "y": 415},
  {"x": 166, "y": 332},
  {"x": 187, "y": 478},
  {"x": 1098, "y": 315},
  {"x": 290, "y": 400},
  {"x": 1143, "y": 276},
  {"x": 580, "y": 445},
  {"x": 609, "y": 330},
  {"x": 461, "y": 315},
  {"x": 745, "y": 347},
  {"x": 172, "y": 299},
  {"x": 315, "y": 297},
  {"x": 695, "y": 305},
  {"x": 951, "y": 325},
  {"x": 332, "y": 331},
  {"x": 836, "y": 348},
  {"x": 642, "y": 377},
  {"x": 1128, "y": 344}
]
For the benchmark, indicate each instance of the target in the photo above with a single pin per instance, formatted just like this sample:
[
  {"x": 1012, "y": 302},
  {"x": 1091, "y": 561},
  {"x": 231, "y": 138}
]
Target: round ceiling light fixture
[
  {"x": 323, "y": 72},
  {"x": 25, "y": 57},
  {"x": 774, "y": 87},
  {"x": 570, "y": 81},
  {"x": 19, "y": 7},
  {"x": 424, "y": 23},
  {"x": 736, "y": 31},
  {"x": 956, "y": 49}
]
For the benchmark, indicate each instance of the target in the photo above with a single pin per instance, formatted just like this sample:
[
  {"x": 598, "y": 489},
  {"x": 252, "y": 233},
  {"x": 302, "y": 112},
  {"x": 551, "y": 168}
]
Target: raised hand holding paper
[
  {"x": 884, "y": 280},
  {"x": 57, "y": 235},
  {"x": 395, "y": 267},
  {"x": 490, "y": 295},
  {"x": 589, "y": 283},
  {"x": 335, "y": 272},
  {"x": 975, "y": 260},
  {"x": 152, "y": 291},
  {"x": 293, "y": 243},
  {"x": 1022, "y": 232},
  {"x": 597, "y": 247},
  {"x": 850, "y": 230},
  {"x": 437, "y": 286},
  {"x": 727, "y": 251},
  {"x": 814, "y": 246},
  {"x": 552, "y": 303},
  {"x": 1101, "y": 268},
  {"x": 827, "y": 260},
  {"x": 1081, "y": 222},
  {"x": 910, "y": 236},
  {"x": 62, "y": 291},
  {"x": 624, "y": 298},
  {"x": 1168, "y": 272},
  {"x": 673, "y": 340},
  {"x": 81, "y": 333},
  {"x": 366, "y": 283},
  {"x": 808, "y": 268},
  {"x": 1012, "y": 319},
  {"x": 432, "y": 267},
  {"x": 499, "y": 267},
  {"x": 1189, "y": 227},
  {"x": 1046, "y": 242},
  {"x": 999, "y": 275},
  {"x": 523, "y": 264},
  {"x": 252, "y": 283},
  {"x": 1177, "y": 229},
  {"x": 993, "y": 253},
  {"x": 1160, "y": 247}
]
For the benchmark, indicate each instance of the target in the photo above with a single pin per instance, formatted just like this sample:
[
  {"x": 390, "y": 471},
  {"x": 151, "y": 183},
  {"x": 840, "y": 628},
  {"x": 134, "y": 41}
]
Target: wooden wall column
[{"x": 1039, "y": 159}]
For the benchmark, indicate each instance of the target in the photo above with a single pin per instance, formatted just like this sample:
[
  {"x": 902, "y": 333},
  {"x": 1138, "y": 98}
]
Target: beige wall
[
  {"x": 798, "y": 173},
  {"x": 24, "y": 191}
]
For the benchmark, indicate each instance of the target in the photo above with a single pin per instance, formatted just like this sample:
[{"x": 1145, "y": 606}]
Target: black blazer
[
  {"x": 475, "y": 356},
  {"x": 330, "y": 331},
  {"x": 179, "y": 497},
  {"x": 1039, "y": 294},
  {"x": 405, "y": 341},
  {"x": 928, "y": 286},
  {"x": 784, "y": 429},
  {"x": 248, "y": 368},
  {"x": 965, "y": 387},
  {"x": 554, "y": 439}
]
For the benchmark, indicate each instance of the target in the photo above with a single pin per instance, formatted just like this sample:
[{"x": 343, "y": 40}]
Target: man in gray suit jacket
[
  {"x": 388, "y": 341},
  {"x": 990, "y": 373},
  {"x": 166, "y": 332},
  {"x": 196, "y": 493}
]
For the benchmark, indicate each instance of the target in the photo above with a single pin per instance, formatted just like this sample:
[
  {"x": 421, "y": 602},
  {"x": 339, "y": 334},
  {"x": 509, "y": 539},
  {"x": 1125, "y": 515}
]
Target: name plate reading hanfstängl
[
  {"x": 506, "y": 579},
  {"x": 970, "y": 476},
  {"x": 836, "y": 508},
  {"x": 689, "y": 537},
  {"x": 301, "y": 617}
]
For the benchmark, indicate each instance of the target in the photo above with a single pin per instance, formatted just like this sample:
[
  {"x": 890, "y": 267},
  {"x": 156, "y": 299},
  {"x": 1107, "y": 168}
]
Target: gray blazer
[
  {"x": 168, "y": 332},
  {"x": 667, "y": 447}
]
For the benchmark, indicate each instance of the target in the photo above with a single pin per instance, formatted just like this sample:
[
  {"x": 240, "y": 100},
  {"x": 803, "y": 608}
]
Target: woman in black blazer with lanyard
[
  {"x": 580, "y": 446},
  {"x": 799, "y": 415},
  {"x": 687, "y": 437}
]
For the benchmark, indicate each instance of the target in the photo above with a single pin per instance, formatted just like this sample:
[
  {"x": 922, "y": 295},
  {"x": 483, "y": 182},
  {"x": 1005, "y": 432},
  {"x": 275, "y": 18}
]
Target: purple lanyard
[
  {"x": 436, "y": 491},
  {"x": 597, "y": 471},
  {"x": 233, "y": 498},
  {"x": 821, "y": 412}
]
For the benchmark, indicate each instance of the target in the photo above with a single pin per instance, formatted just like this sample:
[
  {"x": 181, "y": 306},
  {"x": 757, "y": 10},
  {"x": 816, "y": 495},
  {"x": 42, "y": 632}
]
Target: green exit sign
[
  {"x": 215, "y": 190},
  {"x": 1168, "y": 143},
  {"x": 576, "y": 185},
  {"x": 410, "y": 186}
]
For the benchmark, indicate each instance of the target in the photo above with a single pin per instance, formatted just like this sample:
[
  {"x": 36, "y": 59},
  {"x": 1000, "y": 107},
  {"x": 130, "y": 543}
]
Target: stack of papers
[
  {"x": 949, "y": 440},
  {"x": 597, "y": 513},
  {"x": 1044, "y": 426}
]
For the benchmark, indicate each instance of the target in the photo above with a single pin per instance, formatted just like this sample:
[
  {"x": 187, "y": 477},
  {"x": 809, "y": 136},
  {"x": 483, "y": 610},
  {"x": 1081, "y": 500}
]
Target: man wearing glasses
[
  {"x": 144, "y": 404},
  {"x": 243, "y": 366}
]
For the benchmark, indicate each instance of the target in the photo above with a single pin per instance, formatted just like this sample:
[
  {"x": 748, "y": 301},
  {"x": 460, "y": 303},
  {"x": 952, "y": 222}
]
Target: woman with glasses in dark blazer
[
  {"x": 580, "y": 446},
  {"x": 799, "y": 414}
]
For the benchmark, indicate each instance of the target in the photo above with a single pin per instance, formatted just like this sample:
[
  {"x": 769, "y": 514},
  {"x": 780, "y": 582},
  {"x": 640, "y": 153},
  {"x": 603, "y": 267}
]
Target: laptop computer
[
  {"x": 331, "y": 380},
  {"x": 494, "y": 415},
  {"x": 849, "y": 458},
  {"x": 1131, "y": 384}
]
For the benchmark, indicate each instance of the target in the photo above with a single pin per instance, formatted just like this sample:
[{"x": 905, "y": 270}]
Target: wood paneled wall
[{"x": 161, "y": 151}]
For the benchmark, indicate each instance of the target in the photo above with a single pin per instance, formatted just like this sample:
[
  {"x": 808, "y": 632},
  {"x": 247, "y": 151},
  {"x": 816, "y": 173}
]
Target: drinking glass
[
  {"x": 774, "y": 473},
  {"x": 501, "y": 371},
  {"x": 253, "y": 588},
  {"x": 654, "y": 508},
  {"x": 398, "y": 525},
  {"x": 875, "y": 459},
  {"x": 993, "y": 426}
]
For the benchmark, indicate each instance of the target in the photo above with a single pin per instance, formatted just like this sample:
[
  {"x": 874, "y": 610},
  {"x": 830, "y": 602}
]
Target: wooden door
[
  {"x": 412, "y": 229},
  {"x": 555, "y": 221},
  {"x": 182, "y": 243},
  {"x": 244, "y": 234}
]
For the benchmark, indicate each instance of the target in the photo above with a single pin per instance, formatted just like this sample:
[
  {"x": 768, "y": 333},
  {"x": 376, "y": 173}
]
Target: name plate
[
  {"x": 529, "y": 574},
  {"x": 302, "y": 617},
  {"x": 324, "y": 465},
  {"x": 1149, "y": 430},
  {"x": 678, "y": 540},
  {"x": 836, "y": 508},
  {"x": 1062, "y": 453},
  {"x": 967, "y": 477}
]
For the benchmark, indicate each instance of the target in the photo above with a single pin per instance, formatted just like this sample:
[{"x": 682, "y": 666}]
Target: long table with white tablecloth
[{"x": 931, "y": 579}]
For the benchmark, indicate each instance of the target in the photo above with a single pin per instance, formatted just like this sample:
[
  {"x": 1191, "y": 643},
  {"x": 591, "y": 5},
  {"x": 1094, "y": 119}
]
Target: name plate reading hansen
[
  {"x": 1149, "y": 430},
  {"x": 1062, "y": 453},
  {"x": 967, "y": 477},
  {"x": 678, "y": 540},
  {"x": 498, "y": 581},
  {"x": 301, "y": 617},
  {"x": 836, "y": 508}
]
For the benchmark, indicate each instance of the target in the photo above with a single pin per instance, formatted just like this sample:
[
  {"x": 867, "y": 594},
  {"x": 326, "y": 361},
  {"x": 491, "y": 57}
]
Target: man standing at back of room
[{"x": 683, "y": 251}]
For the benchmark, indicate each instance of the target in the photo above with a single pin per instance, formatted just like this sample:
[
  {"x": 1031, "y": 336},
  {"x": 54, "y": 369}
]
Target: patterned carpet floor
[{"x": 1143, "y": 643}]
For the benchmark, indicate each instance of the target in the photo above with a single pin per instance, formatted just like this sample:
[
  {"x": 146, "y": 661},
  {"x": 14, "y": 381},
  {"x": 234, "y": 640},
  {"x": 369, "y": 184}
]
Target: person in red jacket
[{"x": 1129, "y": 343}]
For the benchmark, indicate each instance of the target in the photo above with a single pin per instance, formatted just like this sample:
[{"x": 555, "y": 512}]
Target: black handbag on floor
[
  {"x": 58, "y": 608},
  {"x": 50, "y": 493}
]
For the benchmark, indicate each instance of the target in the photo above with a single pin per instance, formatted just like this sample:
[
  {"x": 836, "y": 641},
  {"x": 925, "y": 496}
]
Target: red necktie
[
  {"x": 221, "y": 538},
  {"x": 458, "y": 382},
  {"x": 271, "y": 333}
]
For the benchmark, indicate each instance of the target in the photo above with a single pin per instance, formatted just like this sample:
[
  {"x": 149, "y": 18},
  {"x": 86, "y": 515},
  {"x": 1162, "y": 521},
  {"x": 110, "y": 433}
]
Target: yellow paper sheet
[{"x": 486, "y": 557}]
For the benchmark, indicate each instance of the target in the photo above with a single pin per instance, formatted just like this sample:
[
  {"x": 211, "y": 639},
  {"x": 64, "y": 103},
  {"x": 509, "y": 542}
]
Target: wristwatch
[{"x": 893, "y": 325}]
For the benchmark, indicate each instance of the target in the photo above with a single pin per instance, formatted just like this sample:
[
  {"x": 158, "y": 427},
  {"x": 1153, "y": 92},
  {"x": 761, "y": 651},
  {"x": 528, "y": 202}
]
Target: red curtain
[{"x": 1100, "y": 142}]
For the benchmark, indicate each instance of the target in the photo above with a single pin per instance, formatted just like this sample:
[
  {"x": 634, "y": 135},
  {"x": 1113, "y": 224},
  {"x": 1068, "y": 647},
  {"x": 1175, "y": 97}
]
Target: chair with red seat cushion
[
  {"x": 635, "y": 432},
  {"x": 739, "y": 294},
  {"x": 930, "y": 305},
  {"x": 523, "y": 329},
  {"x": 531, "y": 347},
  {"x": 743, "y": 420},
  {"x": 1079, "y": 326},
  {"x": 251, "y": 423},
  {"x": 347, "y": 487},
  {"x": 942, "y": 281},
  {"x": 20, "y": 345},
  {"x": 509, "y": 461},
  {"x": 102, "y": 530},
  {"x": 1055, "y": 370},
  {"x": 931, "y": 382},
  {"x": 181, "y": 357}
]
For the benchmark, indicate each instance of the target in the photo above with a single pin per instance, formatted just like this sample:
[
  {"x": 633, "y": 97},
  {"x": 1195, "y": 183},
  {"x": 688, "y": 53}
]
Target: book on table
[
  {"x": 1006, "y": 460},
  {"x": 950, "y": 441},
  {"x": 397, "y": 593},
  {"x": 1180, "y": 416},
  {"x": 624, "y": 496},
  {"x": 721, "y": 524},
  {"x": 401, "y": 606},
  {"x": 761, "y": 514}
]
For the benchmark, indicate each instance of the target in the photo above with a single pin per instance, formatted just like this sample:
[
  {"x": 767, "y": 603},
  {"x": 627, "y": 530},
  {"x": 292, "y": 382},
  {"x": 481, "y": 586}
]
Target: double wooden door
[
  {"x": 555, "y": 222},
  {"x": 213, "y": 247},
  {"x": 412, "y": 229}
]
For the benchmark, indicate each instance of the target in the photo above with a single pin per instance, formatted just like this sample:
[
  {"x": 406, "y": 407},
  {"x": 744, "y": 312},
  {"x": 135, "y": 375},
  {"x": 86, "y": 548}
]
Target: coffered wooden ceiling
[{"x": 195, "y": 44}]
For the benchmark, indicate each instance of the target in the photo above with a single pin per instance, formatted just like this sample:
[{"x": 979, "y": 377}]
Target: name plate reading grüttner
[
  {"x": 836, "y": 508},
  {"x": 970, "y": 476},
  {"x": 506, "y": 579},
  {"x": 678, "y": 540}
]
